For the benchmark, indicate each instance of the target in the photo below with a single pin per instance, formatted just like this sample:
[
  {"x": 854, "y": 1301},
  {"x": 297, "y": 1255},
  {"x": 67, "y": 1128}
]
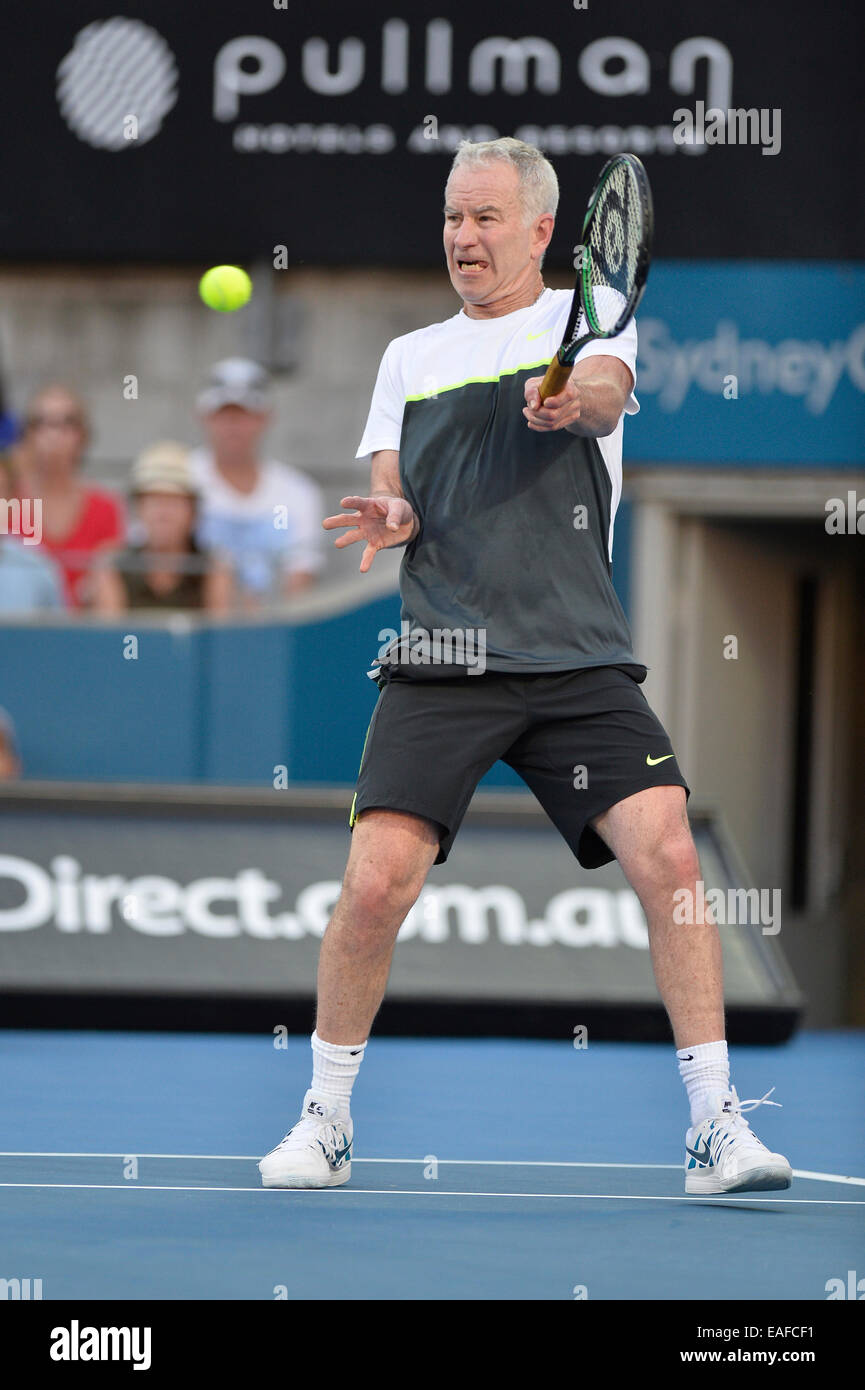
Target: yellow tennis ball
[{"x": 225, "y": 288}]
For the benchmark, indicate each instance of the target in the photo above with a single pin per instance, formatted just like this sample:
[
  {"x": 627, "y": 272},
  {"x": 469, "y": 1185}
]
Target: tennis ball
[{"x": 225, "y": 288}]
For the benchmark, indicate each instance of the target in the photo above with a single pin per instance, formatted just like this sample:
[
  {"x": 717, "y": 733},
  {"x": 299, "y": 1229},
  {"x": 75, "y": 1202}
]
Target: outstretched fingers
[
  {"x": 368, "y": 556},
  {"x": 349, "y": 538}
]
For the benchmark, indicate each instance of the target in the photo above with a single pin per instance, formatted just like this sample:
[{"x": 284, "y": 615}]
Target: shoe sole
[
  {"x": 301, "y": 1180},
  {"x": 756, "y": 1180}
]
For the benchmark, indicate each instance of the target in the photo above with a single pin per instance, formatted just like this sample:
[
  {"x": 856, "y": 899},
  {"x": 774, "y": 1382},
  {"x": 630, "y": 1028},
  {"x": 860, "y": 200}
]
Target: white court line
[
  {"x": 253, "y": 1158},
  {"x": 457, "y": 1162},
  {"x": 431, "y": 1192},
  {"x": 826, "y": 1177}
]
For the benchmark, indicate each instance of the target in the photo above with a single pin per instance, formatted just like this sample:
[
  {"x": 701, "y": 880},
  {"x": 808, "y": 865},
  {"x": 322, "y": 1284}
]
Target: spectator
[
  {"x": 168, "y": 569},
  {"x": 29, "y": 581},
  {"x": 8, "y": 423},
  {"x": 265, "y": 515},
  {"x": 10, "y": 761},
  {"x": 12, "y": 468},
  {"x": 76, "y": 520}
]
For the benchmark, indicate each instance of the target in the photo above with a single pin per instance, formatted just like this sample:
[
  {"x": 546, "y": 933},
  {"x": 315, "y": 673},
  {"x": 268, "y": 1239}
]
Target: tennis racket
[{"x": 612, "y": 263}]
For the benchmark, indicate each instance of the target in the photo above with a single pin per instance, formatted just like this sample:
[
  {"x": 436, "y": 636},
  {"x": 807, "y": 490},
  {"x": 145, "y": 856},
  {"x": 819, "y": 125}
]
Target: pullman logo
[{"x": 116, "y": 84}]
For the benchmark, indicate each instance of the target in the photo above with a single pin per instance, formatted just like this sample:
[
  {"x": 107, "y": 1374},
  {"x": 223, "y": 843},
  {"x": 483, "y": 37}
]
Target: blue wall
[
  {"x": 213, "y": 704},
  {"x": 223, "y": 705}
]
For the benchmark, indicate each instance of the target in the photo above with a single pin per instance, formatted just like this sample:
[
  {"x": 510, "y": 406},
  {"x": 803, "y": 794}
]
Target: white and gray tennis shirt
[{"x": 516, "y": 526}]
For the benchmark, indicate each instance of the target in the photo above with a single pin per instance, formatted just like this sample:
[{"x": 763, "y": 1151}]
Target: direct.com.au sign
[
  {"x": 185, "y": 899},
  {"x": 69, "y": 900}
]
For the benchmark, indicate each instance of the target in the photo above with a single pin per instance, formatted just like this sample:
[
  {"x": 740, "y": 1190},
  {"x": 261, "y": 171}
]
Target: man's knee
[
  {"x": 391, "y": 857},
  {"x": 671, "y": 860},
  {"x": 377, "y": 892}
]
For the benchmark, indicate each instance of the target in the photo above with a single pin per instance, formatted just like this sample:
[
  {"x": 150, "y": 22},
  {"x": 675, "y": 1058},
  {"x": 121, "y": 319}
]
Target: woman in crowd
[
  {"x": 164, "y": 568},
  {"x": 77, "y": 521}
]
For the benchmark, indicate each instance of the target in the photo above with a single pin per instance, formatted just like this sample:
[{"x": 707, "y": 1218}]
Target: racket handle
[{"x": 555, "y": 379}]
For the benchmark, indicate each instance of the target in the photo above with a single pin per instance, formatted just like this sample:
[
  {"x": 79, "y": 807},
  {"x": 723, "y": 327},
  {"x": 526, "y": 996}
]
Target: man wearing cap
[
  {"x": 165, "y": 567},
  {"x": 265, "y": 515}
]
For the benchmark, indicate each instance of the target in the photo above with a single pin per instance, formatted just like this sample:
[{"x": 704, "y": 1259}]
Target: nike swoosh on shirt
[
  {"x": 652, "y": 761},
  {"x": 532, "y": 336}
]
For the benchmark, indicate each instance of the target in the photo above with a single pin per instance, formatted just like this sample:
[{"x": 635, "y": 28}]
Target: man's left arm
[{"x": 591, "y": 402}]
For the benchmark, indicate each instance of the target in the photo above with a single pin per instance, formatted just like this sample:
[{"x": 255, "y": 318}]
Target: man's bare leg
[
  {"x": 391, "y": 854},
  {"x": 390, "y": 857},
  {"x": 650, "y": 836}
]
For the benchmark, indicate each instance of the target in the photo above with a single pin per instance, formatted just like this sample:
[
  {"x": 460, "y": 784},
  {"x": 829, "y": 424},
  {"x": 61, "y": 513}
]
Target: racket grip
[{"x": 555, "y": 379}]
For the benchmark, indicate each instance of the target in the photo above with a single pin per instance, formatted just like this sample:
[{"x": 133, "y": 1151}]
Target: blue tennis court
[{"x": 484, "y": 1170}]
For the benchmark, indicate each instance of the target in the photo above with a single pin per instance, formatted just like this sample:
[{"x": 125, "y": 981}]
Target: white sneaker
[
  {"x": 316, "y": 1152},
  {"x": 724, "y": 1155}
]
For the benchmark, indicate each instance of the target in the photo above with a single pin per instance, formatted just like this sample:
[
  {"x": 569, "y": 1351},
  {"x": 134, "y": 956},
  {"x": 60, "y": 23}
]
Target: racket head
[{"x": 617, "y": 249}]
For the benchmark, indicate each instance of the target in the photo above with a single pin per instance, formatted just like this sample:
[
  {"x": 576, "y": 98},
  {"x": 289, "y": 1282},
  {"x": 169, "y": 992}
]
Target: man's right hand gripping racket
[{"x": 612, "y": 263}]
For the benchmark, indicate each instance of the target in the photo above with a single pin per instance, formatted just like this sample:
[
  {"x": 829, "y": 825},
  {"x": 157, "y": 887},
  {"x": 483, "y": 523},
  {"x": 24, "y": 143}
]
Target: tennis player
[{"x": 513, "y": 646}]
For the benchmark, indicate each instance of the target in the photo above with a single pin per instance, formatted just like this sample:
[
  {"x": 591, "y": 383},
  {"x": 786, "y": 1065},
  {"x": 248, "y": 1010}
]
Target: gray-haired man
[{"x": 482, "y": 485}]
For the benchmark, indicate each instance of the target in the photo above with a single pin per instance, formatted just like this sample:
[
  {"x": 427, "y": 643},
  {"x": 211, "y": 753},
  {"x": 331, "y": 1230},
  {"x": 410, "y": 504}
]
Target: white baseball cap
[{"x": 235, "y": 381}]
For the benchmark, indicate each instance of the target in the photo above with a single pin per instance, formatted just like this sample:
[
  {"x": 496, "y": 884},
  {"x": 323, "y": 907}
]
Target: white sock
[
  {"x": 334, "y": 1068},
  {"x": 705, "y": 1071}
]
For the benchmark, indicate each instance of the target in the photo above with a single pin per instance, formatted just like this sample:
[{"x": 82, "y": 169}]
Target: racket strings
[{"x": 614, "y": 238}]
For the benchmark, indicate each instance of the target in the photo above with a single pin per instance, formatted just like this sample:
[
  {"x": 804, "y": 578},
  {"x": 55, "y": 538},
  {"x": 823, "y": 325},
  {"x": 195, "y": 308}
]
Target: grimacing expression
[{"x": 489, "y": 249}]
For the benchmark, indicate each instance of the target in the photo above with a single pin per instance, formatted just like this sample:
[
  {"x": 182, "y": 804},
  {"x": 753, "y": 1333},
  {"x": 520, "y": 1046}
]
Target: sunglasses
[{"x": 57, "y": 422}]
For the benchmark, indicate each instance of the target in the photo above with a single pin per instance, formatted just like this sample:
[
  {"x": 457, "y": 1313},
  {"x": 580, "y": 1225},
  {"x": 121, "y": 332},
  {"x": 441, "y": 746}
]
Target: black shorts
[{"x": 581, "y": 741}]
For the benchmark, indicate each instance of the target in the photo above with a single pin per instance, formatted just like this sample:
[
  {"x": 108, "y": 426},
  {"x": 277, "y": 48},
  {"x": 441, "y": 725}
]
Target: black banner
[
  {"x": 222, "y": 131},
  {"x": 121, "y": 1337}
]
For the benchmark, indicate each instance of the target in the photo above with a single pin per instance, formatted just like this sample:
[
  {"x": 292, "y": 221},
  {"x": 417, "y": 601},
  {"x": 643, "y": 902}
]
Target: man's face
[
  {"x": 490, "y": 252},
  {"x": 234, "y": 429}
]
